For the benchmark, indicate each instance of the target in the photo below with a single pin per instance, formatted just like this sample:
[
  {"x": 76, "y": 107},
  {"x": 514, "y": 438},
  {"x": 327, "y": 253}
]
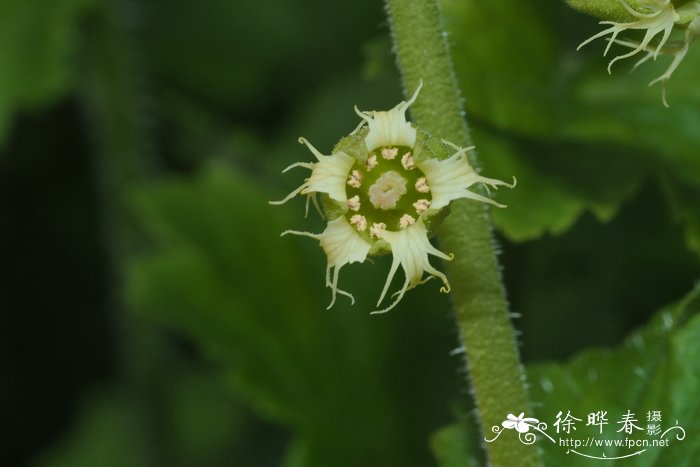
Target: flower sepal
[{"x": 332, "y": 209}]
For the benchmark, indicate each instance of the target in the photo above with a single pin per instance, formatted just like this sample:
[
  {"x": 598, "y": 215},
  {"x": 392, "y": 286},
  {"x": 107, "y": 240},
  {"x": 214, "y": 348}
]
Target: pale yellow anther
[
  {"x": 421, "y": 205},
  {"x": 354, "y": 203},
  {"x": 422, "y": 185},
  {"x": 406, "y": 220},
  {"x": 360, "y": 222},
  {"x": 389, "y": 153},
  {"x": 371, "y": 162},
  {"x": 407, "y": 161},
  {"x": 377, "y": 229},
  {"x": 355, "y": 179}
]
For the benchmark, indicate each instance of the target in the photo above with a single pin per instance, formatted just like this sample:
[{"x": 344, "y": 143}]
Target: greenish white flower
[
  {"x": 384, "y": 188},
  {"x": 657, "y": 18}
]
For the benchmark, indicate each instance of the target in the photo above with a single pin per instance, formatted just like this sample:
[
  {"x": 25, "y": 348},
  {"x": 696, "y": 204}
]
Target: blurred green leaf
[
  {"x": 655, "y": 369},
  {"x": 508, "y": 74},
  {"x": 249, "y": 58},
  {"x": 621, "y": 108},
  {"x": 523, "y": 81},
  {"x": 204, "y": 419},
  {"x": 458, "y": 445},
  {"x": 557, "y": 181},
  {"x": 106, "y": 434},
  {"x": 37, "y": 41},
  {"x": 545, "y": 278},
  {"x": 202, "y": 425},
  {"x": 221, "y": 274},
  {"x": 217, "y": 238},
  {"x": 684, "y": 204}
]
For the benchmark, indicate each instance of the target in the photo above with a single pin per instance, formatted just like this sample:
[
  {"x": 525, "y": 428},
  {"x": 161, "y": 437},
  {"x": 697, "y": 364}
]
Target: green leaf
[
  {"x": 255, "y": 303},
  {"x": 202, "y": 425},
  {"x": 525, "y": 83},
  {"x": 619, "y": 108},
  {"x": 37, "y": 42},
  {"x": 557, "y": 182},
  {"x": 106, "y": 434},
  {"x": 218, "y": 235},
  {"x": 458, "y": 445},
  {"x": 228, "y": 53},
  {"x": 520, "y": 97},
  {"x": 507, "y": 74},
  {"x": 684, "y": 203},
  {"x": 655, "y": 369}
]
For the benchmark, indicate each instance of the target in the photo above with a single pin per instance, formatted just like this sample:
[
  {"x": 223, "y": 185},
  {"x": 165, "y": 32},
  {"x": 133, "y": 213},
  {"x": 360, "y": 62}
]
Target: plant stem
[{"x": 497, "y": 377}]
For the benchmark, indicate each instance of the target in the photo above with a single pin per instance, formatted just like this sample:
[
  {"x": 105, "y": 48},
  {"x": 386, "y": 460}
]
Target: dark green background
[{"x": 149, "y": 312}]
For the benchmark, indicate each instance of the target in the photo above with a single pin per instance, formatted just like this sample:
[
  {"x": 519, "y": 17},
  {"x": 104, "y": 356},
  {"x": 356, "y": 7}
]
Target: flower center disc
[{"x": 386, "y": 192}]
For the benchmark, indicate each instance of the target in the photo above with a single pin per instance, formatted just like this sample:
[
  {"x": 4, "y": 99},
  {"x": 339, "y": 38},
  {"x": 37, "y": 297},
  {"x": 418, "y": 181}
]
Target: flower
[
  {"x": 522, "y": 425},
  {"x": 661, "y": 18},
  {"x": 382, "y": 188}
]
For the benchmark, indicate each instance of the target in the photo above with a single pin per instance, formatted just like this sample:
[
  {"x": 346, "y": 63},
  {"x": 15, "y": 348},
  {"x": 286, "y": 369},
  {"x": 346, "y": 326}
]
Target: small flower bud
[{"x": 655, "y": 18}]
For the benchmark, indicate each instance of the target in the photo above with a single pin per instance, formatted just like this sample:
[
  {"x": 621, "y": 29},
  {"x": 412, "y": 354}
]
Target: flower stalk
[{"x": 496, "y": 374}]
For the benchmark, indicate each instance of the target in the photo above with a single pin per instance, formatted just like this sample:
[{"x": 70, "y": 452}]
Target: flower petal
[
  {"x": 390, "y": 128},
  {"x": 450, "y": 179},
  {"x": 328, "y": 175},
  {"x": 410, "y": 248},
  {"x": 342, "y": 245},
  {"x": 661, "y": 20}
]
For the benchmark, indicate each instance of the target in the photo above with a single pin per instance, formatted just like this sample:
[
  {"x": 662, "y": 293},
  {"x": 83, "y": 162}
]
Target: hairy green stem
[{"x": 497, "y": 377}]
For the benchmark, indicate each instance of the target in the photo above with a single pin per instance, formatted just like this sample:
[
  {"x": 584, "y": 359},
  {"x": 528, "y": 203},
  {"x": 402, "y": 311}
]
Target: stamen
[
  {"x": 407, "y": 161},
  {"x": 354, "y": 203},
  {"x": 376, "y": 229},
  {"x": 371, "y": 162},
  {"x": 406, "y": 220},
  {"x": 359, "y": 221},
  {"x": 389, "y": 153},
  {"x": 355, "y": 179},
  {"x": 422, "y": 185},
  {"x": 421, "y": 205}
]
